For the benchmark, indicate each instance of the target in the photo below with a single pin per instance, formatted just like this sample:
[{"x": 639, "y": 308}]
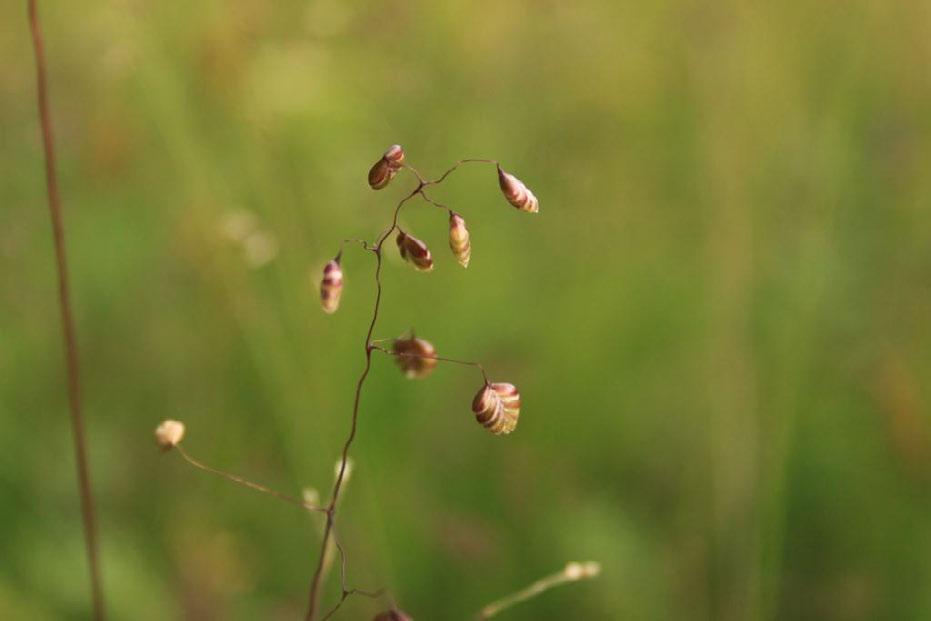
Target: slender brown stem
[
  {"x": 67, "y": 319},
  {"x": 246, "y": 483},
  {"x": 316, "y": 581},
  {"x": 337, "y": 486}
]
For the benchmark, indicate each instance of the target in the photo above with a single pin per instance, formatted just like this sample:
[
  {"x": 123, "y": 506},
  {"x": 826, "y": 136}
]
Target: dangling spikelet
[
  {"x": 387, "y": 167},
  {"x": 415, "y": 252},
  {"x": 517, "y": 193},
  {"x": 416, "y": 357},
  {"x": 331, "y": 288},
  {"x": 169, "y": 434},
  {"x": 497, "y": 407},
  {"x": 459, "y": 241}
]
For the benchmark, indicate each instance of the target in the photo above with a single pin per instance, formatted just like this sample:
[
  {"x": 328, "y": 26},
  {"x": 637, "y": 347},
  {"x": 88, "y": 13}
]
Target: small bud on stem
[
  {"x": 518, "y": 194},
  {"x": 416, "y": 357},
  {"x": 331, "y": 287},
  {"x": 415, "y": 252},
  {"x": 459, "y": 241},
  {"x": 387, "y": 167},
  {"x": 169, "y": 434}
]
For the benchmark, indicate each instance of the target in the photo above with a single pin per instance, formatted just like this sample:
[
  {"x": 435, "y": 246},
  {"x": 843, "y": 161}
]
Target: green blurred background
[{"x": 718, "y": 321}]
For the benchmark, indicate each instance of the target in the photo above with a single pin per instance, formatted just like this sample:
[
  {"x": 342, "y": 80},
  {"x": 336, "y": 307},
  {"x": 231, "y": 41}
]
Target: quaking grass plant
[{"x": 496, "y": 405}]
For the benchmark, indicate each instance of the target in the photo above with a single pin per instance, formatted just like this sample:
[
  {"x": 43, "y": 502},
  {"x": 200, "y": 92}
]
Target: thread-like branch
[
  {"x": 67, "y": 319},
  {"x": 573, "y": 572},
  {"x": 467, "y": 363},
  {"x": 246, "y": 483},
  {"x": 377, "y": 250}
]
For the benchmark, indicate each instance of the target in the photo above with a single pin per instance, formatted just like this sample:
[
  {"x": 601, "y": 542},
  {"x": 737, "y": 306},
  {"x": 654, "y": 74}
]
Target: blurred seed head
[
  {"x": 347, "y": 473},
  {"x": 581, "y": 571},
  {"x": 497, "y": 407},
  {"x": 415, "y": 252},
  {"x": 242, "y": 227},
  {"x": 415, "y": 357},
  {"x": 169, "y": 434},
  {"x": 459, "y": 239},
  {"x": 311, "y": 496},
  {"x": 238, "y": 225},
  {"x": 393, "y": 615},
  {"x": 518, "y": 194},
  {"x": 331, "y": 287},
  {"x": 260, "y": 249},
  {"x": 387, "y": 167}
]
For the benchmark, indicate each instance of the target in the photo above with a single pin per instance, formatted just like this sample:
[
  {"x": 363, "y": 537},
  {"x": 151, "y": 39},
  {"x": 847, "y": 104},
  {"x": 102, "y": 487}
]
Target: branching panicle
[
  {"x": 496, "y": 406},
  {"x": 417, "y": 357}
]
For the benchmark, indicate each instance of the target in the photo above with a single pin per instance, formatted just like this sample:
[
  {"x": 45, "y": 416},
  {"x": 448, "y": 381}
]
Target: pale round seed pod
[
  {"x": 459, "y": 240},
  {"x": 393, "y": 615},
  {"x": 387, "y": 167},
  {"x": 169, "y": 434},
  {"x": 415, "y": 357},
  {"x": 497, "y": 407},
  {"x": 331, "y": 287},
  {"x": 415, "y": 252},
  {"x": 518, "y": 194}
]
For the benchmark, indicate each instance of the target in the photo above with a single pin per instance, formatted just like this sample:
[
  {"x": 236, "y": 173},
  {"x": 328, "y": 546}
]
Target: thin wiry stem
[
  {"x": 331, "y": 507},
  {"x": 377, "y": 250},
  {"x": 67, "y": 319},
  {"x": 573, "y": 572},
  {"x": 467, "y": 363},
  {"x": 246, "y": 483},
  {"x": 424, "y": 196}
]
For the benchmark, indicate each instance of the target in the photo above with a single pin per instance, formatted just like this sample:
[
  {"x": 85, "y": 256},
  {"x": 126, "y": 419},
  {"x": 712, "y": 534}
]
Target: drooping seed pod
[
  {"x": 393, "y": 615},
  {"x": 331, "y": 287},
  {"x": 415, "y": 252},
  {"x": 169, "y": 434},
  {"x": 459, "y": 241},
  {"x": 415, "y": 357},
  {"x": 518, "y": 194},
  {"x": 497, "y": 407},
  {"x": 387, "y": 167}
]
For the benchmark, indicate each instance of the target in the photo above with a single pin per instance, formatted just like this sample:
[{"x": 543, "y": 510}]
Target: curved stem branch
[
  {"x": 337, "y": 486},
  {"x": 246, "y": 483},
  {"x": 467, "y": 363}
]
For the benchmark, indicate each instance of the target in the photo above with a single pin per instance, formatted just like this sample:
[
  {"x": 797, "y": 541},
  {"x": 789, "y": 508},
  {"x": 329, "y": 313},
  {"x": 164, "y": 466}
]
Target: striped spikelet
[
  {"x": 331, "y": 287},
  {"x": 497, "y": 407},
  {"x": 387, "y": 167},
  {"x": 459, "y": 241},
  {"x": 518, "y": 194},
  {"x": 415, "y": 252}
]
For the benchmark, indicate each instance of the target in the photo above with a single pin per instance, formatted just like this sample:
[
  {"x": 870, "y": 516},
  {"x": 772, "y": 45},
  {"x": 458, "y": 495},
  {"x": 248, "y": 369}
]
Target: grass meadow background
[{"x": 718, "y": 322}]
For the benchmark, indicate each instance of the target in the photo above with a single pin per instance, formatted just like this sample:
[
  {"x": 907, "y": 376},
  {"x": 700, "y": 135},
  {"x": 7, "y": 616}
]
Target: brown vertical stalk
[
  {"x": 331, "y": 507},
  {"x": 67, "y": 321}
]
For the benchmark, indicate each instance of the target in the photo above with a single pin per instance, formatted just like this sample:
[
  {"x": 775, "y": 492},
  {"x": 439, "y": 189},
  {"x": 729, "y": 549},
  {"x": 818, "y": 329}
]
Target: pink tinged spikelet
[
  {"x": 387, "y": 167},
  {"x": 497, "y": 407},
  {"x": 518, "y": 194},
  {"x": 331, "y": 287},
  {"x": 415, "y": 252},
  {"x": 415, "y": 357},
  {"x": 459, "y": 241}
]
